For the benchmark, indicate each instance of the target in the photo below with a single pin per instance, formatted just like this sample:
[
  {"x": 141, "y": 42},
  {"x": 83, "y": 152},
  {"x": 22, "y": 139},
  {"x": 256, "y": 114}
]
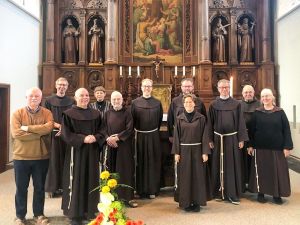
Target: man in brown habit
[
  {"x": 81, "y": 129},
  {"x": 119, "y": 155},
  {"x": 57, "y": 104},
  {"x": 227, "y": 133},
  {"x": 249, "y": 103},
  {"x": 147, "y": 115}
]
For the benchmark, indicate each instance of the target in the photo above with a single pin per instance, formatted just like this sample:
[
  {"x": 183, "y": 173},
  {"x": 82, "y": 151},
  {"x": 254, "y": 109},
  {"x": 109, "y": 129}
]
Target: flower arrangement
[{"x": 111, "y": 210}]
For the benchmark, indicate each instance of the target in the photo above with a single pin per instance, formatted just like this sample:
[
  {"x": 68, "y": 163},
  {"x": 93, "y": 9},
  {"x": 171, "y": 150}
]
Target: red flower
[
  {"x": 129, "y": 222},
  {"x": 139, "y": 222}
]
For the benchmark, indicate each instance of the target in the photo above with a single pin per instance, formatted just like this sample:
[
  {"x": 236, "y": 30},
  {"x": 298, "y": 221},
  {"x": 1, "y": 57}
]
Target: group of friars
[{"x": 216, "y": 152}]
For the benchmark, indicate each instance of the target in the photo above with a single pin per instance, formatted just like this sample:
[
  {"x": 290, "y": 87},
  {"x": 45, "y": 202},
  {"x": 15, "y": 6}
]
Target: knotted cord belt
[{"x": 222, "y": 159}]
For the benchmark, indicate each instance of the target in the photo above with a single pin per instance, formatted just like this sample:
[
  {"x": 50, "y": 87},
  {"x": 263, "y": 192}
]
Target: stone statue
[
  {"x": 245, "y": 40},
  {"x": 70, "y": 43},
  {"x": 218, "y": 34},
  {"x": 96, "y": 51}
]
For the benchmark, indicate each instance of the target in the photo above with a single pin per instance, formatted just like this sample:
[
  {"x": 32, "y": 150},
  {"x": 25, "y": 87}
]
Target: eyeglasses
[
  {"x": 146, "y": 86},
  {"x": 187, "y": 86},
  {"x": 226, "y": 87}
]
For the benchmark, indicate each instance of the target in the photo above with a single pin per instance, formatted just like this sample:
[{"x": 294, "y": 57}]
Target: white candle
[
  {"x": 183, "y": 71},
  {"x": 129, "y": 71},
  {"x": 138, "y": 71},
  {"x": 175, "y": 70},
  {"x": 194, "y": 71},
  {"x": 121, "y": 72},
  {"x": 231, "y": 86}
]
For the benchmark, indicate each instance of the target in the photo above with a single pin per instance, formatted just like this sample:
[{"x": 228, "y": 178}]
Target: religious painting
[
  {"x": 162, "y": 92},
  {"x": 157, "y": 30}
]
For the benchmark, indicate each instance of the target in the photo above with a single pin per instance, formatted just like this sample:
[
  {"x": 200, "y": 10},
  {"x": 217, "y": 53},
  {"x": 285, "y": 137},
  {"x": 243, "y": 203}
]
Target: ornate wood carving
[
  {"x": 219, "y": 74},
  {"x": 246, "y": 77},
  {"x": 73, "y": 4},
  {"x": 127, "y": 26},
  {"x": 73, "y": 80},
  {"x": 188, "y": 37},
  {"x": 97, "y": 4},
  {"x": 95, "y": 78},
  {"x": 227, "y": 4}
]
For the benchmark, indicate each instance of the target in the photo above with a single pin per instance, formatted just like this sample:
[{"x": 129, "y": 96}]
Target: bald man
[
  {"x": 81, "y": 129},
  {"x": 249, "y": 103},
  {"x": 30, "y": 127},
  {"x": 118, "y": 133}
]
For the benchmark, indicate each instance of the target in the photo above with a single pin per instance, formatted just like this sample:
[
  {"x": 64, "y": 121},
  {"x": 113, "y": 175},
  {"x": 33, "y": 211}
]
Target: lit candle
[
  {"x": 194, "y": 71},
  {"x": 121, "y": 72},
  {"x": 129, "y": 71},
  {"x": 175, "y": 70},
  {"x": 183, "y": 71},
  {"x": 138, "y": 71},
  {"x": 231, "y": 86}
]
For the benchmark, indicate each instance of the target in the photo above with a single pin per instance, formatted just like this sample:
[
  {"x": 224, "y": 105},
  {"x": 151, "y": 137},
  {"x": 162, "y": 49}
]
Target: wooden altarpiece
[{"x": 117, "y": 43}]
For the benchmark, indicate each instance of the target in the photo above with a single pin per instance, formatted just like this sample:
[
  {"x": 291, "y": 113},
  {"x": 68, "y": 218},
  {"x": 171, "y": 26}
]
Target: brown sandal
[
  {"x": 19, "y": 222},
  {"x": 42, "y": 220}
]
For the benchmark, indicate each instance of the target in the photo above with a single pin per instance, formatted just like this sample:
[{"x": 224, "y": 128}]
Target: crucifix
[{"x": 157, "y": 63}]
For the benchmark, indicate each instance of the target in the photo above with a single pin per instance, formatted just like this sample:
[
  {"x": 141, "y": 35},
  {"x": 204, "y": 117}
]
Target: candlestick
[
  {"x": 194, "y": 71},
  {"x": 121, "y": 72},
  {"x": 231, "y": 86},
  {"x": 129, "y": 71},
  {"x": 138, "y": 71},
  {"x": 175, "y": 70},
  {"x": 183, "y": 71}
]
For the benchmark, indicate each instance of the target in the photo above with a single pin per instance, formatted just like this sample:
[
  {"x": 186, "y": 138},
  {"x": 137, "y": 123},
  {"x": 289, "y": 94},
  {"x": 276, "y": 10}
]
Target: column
[
  {"x": 266, "y": 36},
  {"x": 204, "y": 32},
  {"x": 112, "y": 29},
  {"x": 82, "y": 38},
  {"x": 50, "y": 32}
]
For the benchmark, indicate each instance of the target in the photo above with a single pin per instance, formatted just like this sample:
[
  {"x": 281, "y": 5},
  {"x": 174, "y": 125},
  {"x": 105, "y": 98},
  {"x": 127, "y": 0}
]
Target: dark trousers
[{"x": 24, "y": 169}]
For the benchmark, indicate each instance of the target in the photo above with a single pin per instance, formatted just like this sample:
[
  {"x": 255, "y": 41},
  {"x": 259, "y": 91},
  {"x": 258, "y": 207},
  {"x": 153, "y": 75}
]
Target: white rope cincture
[
  {"x": 71, "y": 176},
  {"x": 222, "y": 160},
  {"x": 256, "y": 172},
  {"x": 191, "y": 144},
  {"x": 176, "y": 176},
  {"x": 105, "y": 158}
]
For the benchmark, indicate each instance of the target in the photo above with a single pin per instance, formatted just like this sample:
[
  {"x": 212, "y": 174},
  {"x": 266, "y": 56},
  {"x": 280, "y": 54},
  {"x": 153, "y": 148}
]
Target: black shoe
[
  {"x": 234, "y": 201},
  {"x": 76, "y": 222},
  {"x": 196, "y": 208},
  {"x": 278, "y": 200},
  {"x": 189, "y": 209},
  {"x": 261, "y": 198}
]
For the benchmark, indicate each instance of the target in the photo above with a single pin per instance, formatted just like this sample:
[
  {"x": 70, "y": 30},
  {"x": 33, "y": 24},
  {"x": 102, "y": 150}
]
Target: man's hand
[
  {"x": 177, "y": 158},
  {"x": 89, "y": 139},
  {"x": 57, "y": 125},
  {"x": 211, "y": 145},
  {"x": 204, "y": 157},
  {"x": 24, "y": 128},
  {"x": 241, "y": 144},
  {"x": 250, "y": 151},
  {"x": 112, "y": 141}
]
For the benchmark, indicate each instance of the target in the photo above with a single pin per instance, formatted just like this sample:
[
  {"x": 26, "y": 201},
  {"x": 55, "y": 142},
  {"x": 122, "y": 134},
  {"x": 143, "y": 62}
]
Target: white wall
[
  {"x": 19, "y": 52},
  {"x": 288, "y": 28}
]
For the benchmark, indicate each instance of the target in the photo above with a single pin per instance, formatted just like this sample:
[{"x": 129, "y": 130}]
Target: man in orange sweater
[{"x": 30, "y": 127}]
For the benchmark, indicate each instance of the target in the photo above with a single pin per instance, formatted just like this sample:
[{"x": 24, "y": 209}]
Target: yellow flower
[
  {"x": 112, "y": 183},
  {"x": 105, "y": 189},
  {"x": 104, "y": 175}
]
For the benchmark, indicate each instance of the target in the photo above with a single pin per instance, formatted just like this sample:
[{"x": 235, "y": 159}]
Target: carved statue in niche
[
  {"x": 219, "y": 41},
  {"x": 96, "y": 33},
  {"x": 246, "y": 40},
  {"x": 70, "y": 42}
]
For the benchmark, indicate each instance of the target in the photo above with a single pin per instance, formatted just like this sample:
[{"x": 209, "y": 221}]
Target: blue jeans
[{"x": 24, "y": 169}]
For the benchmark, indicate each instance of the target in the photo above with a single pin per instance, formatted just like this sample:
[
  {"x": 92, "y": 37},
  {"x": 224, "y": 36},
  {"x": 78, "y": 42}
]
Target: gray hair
[{"x": 269, "y": 92}]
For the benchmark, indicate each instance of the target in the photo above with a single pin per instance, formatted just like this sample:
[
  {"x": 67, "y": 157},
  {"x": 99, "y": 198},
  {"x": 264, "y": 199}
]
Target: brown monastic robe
[{"x": 224, "y": 117}]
